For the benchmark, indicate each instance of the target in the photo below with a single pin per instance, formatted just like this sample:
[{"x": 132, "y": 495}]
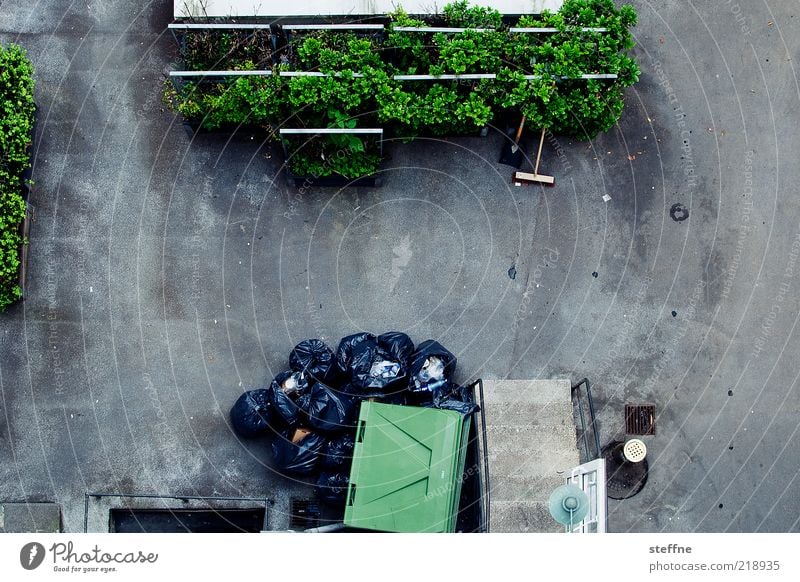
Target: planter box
[
  {"x": 194, "y": 128},
  {"x": 334, "y": 181},
  {"x": 427, "y": 134}
]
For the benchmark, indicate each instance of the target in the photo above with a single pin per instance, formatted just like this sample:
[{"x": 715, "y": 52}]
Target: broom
[{"x": 536, "y": 177}]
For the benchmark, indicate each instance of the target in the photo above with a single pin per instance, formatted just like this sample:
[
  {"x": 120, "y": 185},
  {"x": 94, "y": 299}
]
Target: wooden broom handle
[
  {"x": 519, "y": 130},
  {"x": 539, "y": 153}
]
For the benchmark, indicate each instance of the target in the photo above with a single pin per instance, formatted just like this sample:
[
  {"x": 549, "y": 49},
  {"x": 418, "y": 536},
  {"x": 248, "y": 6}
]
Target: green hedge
[
  {"x": 16, "y": 125},
  {"x": 579, "y": 108}
]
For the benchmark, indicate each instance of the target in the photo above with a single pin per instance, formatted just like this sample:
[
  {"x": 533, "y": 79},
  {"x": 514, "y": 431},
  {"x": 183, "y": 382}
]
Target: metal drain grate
[
  {"x": 304, "y": 513},
  {"x": 640, "y": 419}
]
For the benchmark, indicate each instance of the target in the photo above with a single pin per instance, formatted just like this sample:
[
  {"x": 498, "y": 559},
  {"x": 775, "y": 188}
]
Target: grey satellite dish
[{"x": 568, "y": 505}]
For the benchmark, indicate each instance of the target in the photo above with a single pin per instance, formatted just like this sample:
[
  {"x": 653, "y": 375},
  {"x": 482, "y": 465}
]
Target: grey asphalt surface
[{"x": 168, "y": 272}]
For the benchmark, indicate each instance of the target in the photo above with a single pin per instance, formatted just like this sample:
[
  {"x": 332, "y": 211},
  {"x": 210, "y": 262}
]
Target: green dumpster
[{"x": 407, "y": 469}]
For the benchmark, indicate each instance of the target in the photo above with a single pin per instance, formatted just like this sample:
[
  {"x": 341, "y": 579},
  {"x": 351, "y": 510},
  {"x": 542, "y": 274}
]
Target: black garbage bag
[
  {"x": 302, "y": 404},
  {"x": 315, "y": 358},
  {"x": 338, "y": 453},
  {"x": 297, "y": 458},
  {"x": 399, "y": 345},
  {"x": 431, "y": 363},
  {"x": 444, "y": 395},
  {"x": 375, "y": 372},
  {"x": 344, "y": 353},
  {"x": 251, "y": 413},
  {"x": 327, "y": 410},
  {"x": 332, "y": 487},
  {"x": 452, "y": 397},
  {"x": 284, "y": 392}
]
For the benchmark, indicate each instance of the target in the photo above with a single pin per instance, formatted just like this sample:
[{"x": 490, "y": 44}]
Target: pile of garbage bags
[{"x": 311, "y": 409}]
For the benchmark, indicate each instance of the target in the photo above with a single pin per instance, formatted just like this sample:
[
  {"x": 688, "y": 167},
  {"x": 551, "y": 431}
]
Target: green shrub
[
  {"x": 254, "y": 100},
  {"x": 16, "y": 125},
  {"x": 348, "y": 155},
  {"x": 557, "y": 99},
  {"x": 408, "y": 53},
  {"x": 469, "y": 52},
  {"x": 329, "y": 51},
  {"x": 410, "y": 109},
  {"x": 460, "y": 14},
  {"x": 578, "y": 108},
  {"x": 204, "y": 50}
]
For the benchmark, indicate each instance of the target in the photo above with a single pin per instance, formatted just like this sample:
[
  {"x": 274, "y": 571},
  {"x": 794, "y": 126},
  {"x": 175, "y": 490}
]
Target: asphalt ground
[{"x": 168, "y": 272}]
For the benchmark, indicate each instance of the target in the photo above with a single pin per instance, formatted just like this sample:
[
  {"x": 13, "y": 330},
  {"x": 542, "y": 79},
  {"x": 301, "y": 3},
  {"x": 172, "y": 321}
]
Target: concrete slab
[
  {"x": 531, "y": 442},
  {"x": 30, "y": 518},
  {"x": 219, "y": 8}
]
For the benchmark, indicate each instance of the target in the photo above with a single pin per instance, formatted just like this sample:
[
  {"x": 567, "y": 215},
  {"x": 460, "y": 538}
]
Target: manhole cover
[
  {"x": 640, "y": 419},
  {"x": 304, "y": 513},
  {"x": 623, "y": 478}
]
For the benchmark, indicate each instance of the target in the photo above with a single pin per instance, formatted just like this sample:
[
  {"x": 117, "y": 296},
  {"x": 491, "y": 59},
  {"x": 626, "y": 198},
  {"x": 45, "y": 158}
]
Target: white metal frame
[
  {"x": 551, "y": 30},
  {"x": 494, "y": 76},
  {"x": 465, "y": 76},
  {"x": 258, "y": 73},
  {"x": 591, "y": 478},
  {"x": 453, "y": 30},
  {"x": 333, "y": 26},
  {"x": 339, "y": 130},
  {"x": 214, "y": 26},
  {"x": 589, "y": 76},
  {"x": 446, "y": 29},
  {"x": 335, "y": 130},
  {"x": 341, "y": 8},
  {"x": 513, "y": 29},
  {"x": 315, "y": 74},
  {"x": 446, "y": 77},
  {"x": 259, "y": 26}
]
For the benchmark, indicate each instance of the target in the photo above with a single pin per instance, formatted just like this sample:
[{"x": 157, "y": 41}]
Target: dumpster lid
[{"x": 406, "y": 468}]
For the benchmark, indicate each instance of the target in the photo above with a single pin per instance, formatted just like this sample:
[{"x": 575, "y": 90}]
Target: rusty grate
[
  {"x": 304, "y": 513},
  {"x": 640, "y": 419}
]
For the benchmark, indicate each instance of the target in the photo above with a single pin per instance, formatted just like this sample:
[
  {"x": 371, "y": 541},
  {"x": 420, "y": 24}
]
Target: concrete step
[
  {"x": 536, "y": 392},
  {"x": 502, "y": 465},
  {"x": 514, "y": 413},
  {"x": 531, "y": 445},
  {"x": 522, "y": 516},
  {"x": 534, "y": 436},
  {"x": 514, "y": 487}
]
